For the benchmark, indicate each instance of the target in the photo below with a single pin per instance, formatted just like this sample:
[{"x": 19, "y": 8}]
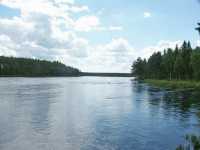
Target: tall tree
[
  {"x": 181, "y": 63},
  {"x": 195, "y": 62},
  {"x": 178, "y": 67},
  {"x": 186, "y": 51},
  {"x": 154, "y": 65},
  {"x": 168, "y": 60},
  {"x": 139, "y": 68},
  {"x": 198, "y": 28}
]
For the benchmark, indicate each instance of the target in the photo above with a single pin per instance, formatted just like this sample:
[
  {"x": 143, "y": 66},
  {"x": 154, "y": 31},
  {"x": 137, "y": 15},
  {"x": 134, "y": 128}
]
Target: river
[{"x": 93, "y": 113}]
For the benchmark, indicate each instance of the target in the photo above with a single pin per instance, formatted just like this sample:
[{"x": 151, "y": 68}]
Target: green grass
[
  {"x": 175, "y": 84},
  {"x": 192, "y": 142}
]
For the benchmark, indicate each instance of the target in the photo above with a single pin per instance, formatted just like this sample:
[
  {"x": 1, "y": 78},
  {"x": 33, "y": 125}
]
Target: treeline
[
  {"x": 10, "y": 66},
  {"x": 105, "y": 74},
  {"x": 181, "y": 63}
]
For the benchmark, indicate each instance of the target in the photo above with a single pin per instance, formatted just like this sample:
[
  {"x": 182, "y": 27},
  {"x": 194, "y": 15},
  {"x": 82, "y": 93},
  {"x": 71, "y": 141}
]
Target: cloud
[
  {"x": 160, "y": 46},
  {"x": 115, "y": 56},
  {"x": 118, "y": 55},
  {"x": 77, "y": 9},
  {"x": 37, "y": 35},
  {"x": 6, "y": 46},
  {"x": 92, "y": 23},
  {"x": 147, "y": 15},
  {"x": 46, "y": 29},
  {"x": 57, "y": 8},
  {"x": 61, "y": 11},
  {"x": 115, "y": 28},
  {"x": 198, "y": 43},
  {"x": 87, "y": 23},
  {"x": 43, "y": 30}
]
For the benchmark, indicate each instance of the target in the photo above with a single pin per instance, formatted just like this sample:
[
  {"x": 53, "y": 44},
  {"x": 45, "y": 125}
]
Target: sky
[{"x": 95, "y": 35}]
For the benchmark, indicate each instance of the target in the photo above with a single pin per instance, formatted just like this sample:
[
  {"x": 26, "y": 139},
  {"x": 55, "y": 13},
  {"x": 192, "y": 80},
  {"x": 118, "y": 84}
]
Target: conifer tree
[
  {"x": 198, "y": 28},
  {"x": 181, "y": 63}
]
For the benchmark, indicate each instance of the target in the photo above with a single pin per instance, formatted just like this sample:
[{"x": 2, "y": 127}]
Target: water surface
[{"x": 93, "y": 113}]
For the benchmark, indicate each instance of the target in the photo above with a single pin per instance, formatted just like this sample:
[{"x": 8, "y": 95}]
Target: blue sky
[
  {"x": 170, "y": 20},
  {"x": 8, "y": 12},
  {"x": 95, "y": 35}
]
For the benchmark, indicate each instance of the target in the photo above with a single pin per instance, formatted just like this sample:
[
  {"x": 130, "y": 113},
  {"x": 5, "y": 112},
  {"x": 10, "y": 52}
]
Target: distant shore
[
  {"x": 37, "y": 76},
  {"x": 104, "y": 74},
  {"x": 80, "y": 74},
  {"x": 175, "y": 84}
]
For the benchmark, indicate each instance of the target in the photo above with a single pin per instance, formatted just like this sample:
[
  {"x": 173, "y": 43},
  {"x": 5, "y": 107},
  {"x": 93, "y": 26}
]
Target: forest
[
  {"x": 181, "y": 63},
  {"x": 10, "y": 66}
]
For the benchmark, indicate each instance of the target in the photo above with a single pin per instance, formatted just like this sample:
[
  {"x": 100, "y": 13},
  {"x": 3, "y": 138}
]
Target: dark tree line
[
  {"x": 181, "y": 63},
  {"x": 10, "y": 66}
]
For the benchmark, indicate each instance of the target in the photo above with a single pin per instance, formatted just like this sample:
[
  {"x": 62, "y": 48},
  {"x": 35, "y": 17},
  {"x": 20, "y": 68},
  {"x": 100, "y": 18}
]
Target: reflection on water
[{"x": 89, "y": 113}]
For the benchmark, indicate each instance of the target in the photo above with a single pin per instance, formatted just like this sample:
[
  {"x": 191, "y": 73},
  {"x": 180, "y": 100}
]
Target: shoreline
[
  {"x": 81, "y": 74},
  {"x": 62, "y": 76},
  {"x": 174, "y": 84}
]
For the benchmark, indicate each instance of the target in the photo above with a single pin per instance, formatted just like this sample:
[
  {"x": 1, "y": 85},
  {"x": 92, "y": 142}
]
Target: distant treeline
[
  {"x": 106, "y": 74},
  {"x": 181, "y": 63},
  {"x": 10, "y": 66}
]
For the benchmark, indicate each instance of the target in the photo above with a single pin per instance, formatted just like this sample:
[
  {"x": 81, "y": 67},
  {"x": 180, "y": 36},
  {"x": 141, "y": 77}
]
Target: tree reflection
[{"x": 176, "y": 103}]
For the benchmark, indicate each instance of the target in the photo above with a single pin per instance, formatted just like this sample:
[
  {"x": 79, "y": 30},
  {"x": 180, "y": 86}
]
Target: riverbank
[{"x": 175, "y": 84}]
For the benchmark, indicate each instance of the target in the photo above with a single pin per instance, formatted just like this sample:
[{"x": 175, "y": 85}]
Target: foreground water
[{"x": 91, "y": 113}]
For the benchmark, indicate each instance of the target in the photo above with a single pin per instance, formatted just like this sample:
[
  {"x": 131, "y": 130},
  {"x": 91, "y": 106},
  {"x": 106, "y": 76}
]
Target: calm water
[{"x": 91, "y": 113}]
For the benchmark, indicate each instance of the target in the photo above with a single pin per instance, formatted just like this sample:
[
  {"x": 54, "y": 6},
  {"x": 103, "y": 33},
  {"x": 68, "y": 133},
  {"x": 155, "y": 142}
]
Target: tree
[
  {"x": 198, "y": 28},
  {"x": 178, "y": 67},
  {"x": 180, "y": 64},
  {"x": 168, "y": 60},
  {"x": 10, "y": 66},
  {"x": 186, "y": 51},
  {"x": 139, "y": 68},
  {"x": 195, "y": 63},
  {"x": 154, "y": 66}
]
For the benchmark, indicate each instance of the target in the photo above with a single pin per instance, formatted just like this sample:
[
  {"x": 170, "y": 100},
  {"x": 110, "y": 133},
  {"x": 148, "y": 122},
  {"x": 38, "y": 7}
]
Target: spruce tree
[{"x": 198, "y": 28}]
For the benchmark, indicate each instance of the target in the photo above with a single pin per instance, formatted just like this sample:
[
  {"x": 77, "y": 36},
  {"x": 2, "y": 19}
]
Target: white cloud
[
  {"x": 92, "y": 23},
  {"x": 147, "y": 15},
  {"x": 44, "y": 30},
  {"x": 198, "y": 43},
  {"x": 56, "y": 8},
  {"x": 79, "y": 9},
  {"x": 47, "y": 30},
  {"x": 87, "y": 23},
  {"x": 6, "y": 46},
  {"x": 36, "y": 35},
  {"x": 115, "y": 28},
  {"x": 119, "y": 52},
  {"x": 115, "y": 56},
  {"x": 61, "y": 12},
  {"x": 160, "y": 46}
]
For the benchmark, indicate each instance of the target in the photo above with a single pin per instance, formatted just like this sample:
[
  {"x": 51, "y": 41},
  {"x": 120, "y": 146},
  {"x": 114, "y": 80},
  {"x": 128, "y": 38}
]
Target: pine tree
[
  {"x": 186, "y": 51},
  {"x": 195, "y": 63},
  {"x": 181, "y": 64},
  {"x": 198, "y": 28},
  {"x": 168, "y": 60},
  {"x": 154, "y": 65},
  {"x": 139, "y": 68}
]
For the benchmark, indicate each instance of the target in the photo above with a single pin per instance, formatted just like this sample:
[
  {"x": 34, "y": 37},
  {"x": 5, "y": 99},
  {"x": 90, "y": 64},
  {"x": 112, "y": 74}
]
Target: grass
[
  {"x": 175, "y": 84},
  {"x": 192, "y": 143}
]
